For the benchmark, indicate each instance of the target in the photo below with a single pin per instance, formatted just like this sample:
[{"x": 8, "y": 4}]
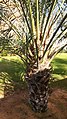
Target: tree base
[{"x": 38, "y": 90}]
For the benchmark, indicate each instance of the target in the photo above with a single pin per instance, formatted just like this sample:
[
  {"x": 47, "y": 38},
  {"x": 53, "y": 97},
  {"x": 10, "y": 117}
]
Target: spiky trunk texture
[{"x": 38, "y": 90}]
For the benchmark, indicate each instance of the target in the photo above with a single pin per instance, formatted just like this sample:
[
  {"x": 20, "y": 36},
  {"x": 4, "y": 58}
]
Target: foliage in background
[{"x": 34, "y": 30}]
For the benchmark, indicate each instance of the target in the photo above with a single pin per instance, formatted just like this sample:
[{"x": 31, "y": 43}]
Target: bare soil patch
[{"x": 16, "y": 106}]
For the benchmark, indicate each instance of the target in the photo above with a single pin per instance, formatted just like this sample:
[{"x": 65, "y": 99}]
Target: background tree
[{"x": 34, "y": 30}]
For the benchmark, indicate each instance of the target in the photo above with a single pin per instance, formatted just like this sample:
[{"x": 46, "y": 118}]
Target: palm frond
[
  {"x": 54, "y": 34},
  {"x": 48, "y": 17},
  {"x": 24, "y": 15}
]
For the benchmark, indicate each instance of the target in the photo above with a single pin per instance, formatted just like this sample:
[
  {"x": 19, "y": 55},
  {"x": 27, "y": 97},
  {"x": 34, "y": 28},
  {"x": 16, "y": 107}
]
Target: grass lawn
[
  {"x": 11, "y": 73},
  {"x": 12, "y": 70},
  {"x": 59, "y": 65},
  {"x": 12, "y": 66}
]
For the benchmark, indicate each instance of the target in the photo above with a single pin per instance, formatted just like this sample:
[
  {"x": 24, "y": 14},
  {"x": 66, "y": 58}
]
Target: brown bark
[{"x": 38, "y": 90}]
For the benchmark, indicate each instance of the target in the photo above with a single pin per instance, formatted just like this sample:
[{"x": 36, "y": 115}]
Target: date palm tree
[{"x": 33, "y": 31}]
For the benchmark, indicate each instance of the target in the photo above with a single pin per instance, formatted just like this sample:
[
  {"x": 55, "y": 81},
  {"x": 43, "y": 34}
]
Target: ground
[
  {"x": 16, "y": 106},
  {"x": 15, "y": 103}
]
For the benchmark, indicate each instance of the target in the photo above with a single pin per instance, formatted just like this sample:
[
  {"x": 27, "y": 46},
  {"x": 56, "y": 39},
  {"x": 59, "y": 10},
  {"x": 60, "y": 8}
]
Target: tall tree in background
[{"x": 35, "y": 30}]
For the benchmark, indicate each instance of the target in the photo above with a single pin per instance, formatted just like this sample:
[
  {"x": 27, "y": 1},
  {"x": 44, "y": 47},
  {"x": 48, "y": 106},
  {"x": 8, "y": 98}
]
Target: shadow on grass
[
  {"x": 62, "y": 84},
  {"x": 11, "y": 76},
  {"x": 59, "y": 60},
  {"x": 60, "y": 66}
]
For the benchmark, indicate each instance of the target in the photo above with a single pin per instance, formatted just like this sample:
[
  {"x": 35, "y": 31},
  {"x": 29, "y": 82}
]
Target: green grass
[
  {"x": 13, "y": 66},
  {"x": 12, "y": 70},
  {"x": 59, "y": 65}
]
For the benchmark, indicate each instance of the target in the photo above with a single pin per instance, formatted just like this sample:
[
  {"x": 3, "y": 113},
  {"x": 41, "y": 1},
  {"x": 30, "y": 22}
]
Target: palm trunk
[{"x": 38, "y": 90}]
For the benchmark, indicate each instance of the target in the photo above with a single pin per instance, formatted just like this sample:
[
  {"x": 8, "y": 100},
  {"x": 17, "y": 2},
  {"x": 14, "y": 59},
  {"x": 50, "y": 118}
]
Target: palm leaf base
[{"x": 38, "y": 90}]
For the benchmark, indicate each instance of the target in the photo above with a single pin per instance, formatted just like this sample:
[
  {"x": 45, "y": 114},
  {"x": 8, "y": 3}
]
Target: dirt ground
[{"x": 16, "y": 106}]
